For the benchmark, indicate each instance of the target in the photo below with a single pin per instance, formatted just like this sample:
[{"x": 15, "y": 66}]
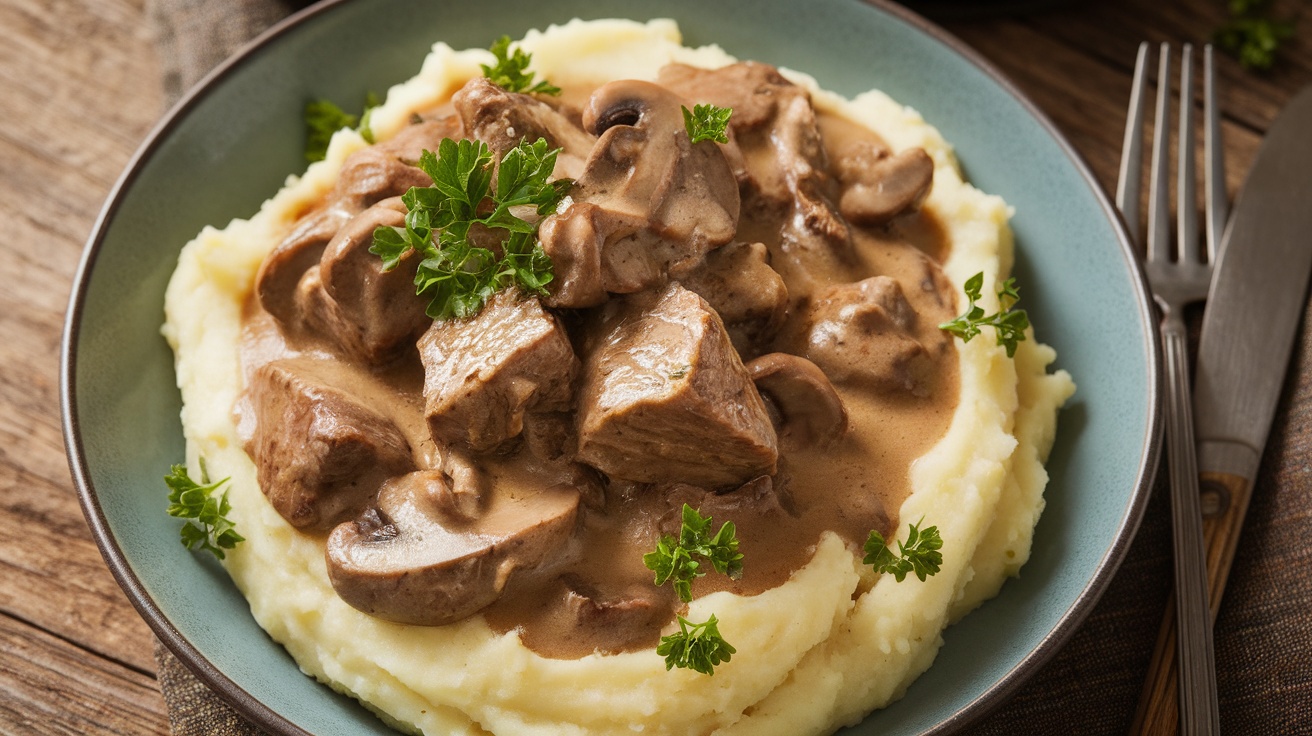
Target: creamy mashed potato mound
[{"x": 819, "y": 652}]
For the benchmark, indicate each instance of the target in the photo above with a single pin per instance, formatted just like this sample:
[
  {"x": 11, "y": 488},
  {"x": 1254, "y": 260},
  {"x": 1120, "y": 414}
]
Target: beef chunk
[
  {"x": 750, "y": 297},
  {"x": 666, "y": 398},
  {"x": 483, "y": 373},
  {"x": 648, "y": 205},
  {"x": 321, "y": 452},
  {"x": 349, "y": 298},
  {"x": 865, "y": 333},
  {"x": 502, "y": 119}
]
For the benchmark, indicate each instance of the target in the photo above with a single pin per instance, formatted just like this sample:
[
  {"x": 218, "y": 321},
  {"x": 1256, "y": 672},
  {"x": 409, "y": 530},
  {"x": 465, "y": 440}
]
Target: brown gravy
[{"x": 850, "y": 487}]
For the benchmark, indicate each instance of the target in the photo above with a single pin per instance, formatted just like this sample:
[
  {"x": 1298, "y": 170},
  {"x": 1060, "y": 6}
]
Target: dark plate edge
[
  {"x": 1152, "y": 443},
  {"x": 266, "y": 717}
]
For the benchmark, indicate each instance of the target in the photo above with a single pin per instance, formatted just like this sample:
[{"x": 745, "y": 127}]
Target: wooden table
[{"x": 78, "y": 92}]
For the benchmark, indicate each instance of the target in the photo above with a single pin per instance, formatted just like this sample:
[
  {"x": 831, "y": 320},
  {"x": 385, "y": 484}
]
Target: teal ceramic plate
[{"x": 233, "y": 141}]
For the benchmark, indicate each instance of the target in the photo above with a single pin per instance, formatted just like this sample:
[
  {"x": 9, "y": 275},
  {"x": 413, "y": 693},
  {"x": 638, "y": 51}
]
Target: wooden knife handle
[{"x": 1225, "y": 502}]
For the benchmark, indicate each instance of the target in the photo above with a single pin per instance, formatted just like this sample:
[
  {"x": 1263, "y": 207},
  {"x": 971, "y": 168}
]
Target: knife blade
[
  {"x": 1252, "y": 316},
  {"x": 1254, "y": 305}
]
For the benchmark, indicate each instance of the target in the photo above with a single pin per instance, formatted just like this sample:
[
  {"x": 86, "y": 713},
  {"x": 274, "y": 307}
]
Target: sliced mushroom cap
[
  {"x": 810, "y": 411},
  {"x": 281, "y": 271},
  {"x": 878, "y": 187},
  {"x": 648, "y": 205},
  {"x": 404, "y": 560}
]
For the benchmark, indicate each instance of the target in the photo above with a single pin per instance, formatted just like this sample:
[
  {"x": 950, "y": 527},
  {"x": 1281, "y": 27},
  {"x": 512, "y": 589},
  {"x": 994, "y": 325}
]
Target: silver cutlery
[{"x": 1178, "y": 279}]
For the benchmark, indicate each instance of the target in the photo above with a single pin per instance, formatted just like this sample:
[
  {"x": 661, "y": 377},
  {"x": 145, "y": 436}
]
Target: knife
[{"x": 1253, "y": 309}]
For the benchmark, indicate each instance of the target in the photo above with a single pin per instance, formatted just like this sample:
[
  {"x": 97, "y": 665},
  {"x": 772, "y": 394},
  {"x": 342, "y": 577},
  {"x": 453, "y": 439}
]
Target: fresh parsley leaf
[
  {"x": 208, "y": 527},
  {"x": 323, "y": 118},
  {"x": 1253, "y": 35},
  {"x": 1255, "y": 41},
  {"x": 456, "y": 274},
  {"x": 673, "y": 558},
  {"x": 510, "y": 72},
  {"x": 371, "y": 101},
  {"x": 707, "y": 123},
  {"x": 919, "y": 554},
  {"x": 1009, "y": 323},
  {"x": 697, "y": 647}
]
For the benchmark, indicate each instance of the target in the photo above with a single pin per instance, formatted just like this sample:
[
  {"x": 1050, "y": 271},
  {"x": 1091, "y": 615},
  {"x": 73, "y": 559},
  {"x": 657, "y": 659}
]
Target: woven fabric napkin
[{"x": 1091, "y": 686}]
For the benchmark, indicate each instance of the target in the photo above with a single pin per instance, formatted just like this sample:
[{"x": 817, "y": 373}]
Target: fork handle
[
  {"x": 1199, "y": 713},
  {"x": 1225, "y": 504}
]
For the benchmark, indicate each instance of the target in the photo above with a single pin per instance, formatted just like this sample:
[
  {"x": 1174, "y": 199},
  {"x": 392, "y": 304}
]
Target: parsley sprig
[
  {"x": 707, "y": 123},
  {"x": 696, "y": 646},
  {"x": 673, "y": 558},
  {"x": 1010, "y": 323},
  {"x": 208, "y": 527},
  {"x": 323, "y": 118},
  {"x": 458, "y": 275},
  {"x": 1253, "y": 35},
  {"x": 510, "y": 72},
  {"x": 919, "y": 554}
]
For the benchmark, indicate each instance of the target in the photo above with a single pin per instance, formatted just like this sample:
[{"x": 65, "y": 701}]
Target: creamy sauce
[{"x": 852, "y": 486}]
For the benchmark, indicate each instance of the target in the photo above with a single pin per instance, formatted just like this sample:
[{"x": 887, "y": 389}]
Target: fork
[{"x": 1175, "y": 283}]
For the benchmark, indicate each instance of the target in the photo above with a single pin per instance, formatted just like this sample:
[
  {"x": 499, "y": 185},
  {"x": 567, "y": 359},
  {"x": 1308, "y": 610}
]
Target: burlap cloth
[{"x": 1263, "y": 635}]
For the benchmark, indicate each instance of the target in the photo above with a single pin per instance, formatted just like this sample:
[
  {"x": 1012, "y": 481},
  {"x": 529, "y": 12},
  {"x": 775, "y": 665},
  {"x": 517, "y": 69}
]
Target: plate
[{"x": 231, "y": 143}]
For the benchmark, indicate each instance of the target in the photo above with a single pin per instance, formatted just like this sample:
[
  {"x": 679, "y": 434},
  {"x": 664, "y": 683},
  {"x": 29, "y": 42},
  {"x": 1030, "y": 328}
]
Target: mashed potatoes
[{"x": 816, "y": 653}]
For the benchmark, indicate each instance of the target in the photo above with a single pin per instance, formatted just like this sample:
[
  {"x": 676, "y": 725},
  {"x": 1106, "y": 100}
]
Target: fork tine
[
  {"x": 1128, "y": 182},
  {"x": 1159, "y": 208},
  {"x": 1186, "y": 202},
  {"x": 1214, "y": 152}
]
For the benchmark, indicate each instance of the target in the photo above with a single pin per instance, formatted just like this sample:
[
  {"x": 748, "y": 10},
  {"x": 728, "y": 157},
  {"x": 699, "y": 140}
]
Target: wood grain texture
[
  {"x": 51, "y": 686},
  {"x": 78, "y": 92},
  {"x": 79, "y": 89}
]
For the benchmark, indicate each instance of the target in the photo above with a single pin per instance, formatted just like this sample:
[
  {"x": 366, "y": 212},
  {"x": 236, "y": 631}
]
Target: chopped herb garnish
[
  {"x": 323, "y": 118},
  {"x": 707, "y": 123},
  {"x": 510, "y": 72},
  {"x": 458, "y": 275},
  {"x": 208, "y": 527},
  {"x": 919, "y": 554},
  {"x": 673, "y": 558},
  {"x": 696, "y": 647},
  {"x": 1253, "y": 35},
  {"x": 1010, "y": 324}
]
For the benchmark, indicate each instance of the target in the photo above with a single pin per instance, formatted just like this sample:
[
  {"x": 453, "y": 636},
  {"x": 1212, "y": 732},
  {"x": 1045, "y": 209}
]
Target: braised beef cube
[
  {"x": 503, "y": 119},
  {"x": 320, "y": 452},
  {"x": 370, "y": 313},
  {"x": 483, "y": 373},
  {"x": 287, "y": 265},
  {"x": 865, "y": 333},
  {"x": 665, "y": 397},
  {"x": 750, "y": 297}
]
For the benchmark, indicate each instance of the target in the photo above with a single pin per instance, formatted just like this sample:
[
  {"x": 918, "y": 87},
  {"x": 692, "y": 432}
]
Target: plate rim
[{"x": 266, "y": 717}]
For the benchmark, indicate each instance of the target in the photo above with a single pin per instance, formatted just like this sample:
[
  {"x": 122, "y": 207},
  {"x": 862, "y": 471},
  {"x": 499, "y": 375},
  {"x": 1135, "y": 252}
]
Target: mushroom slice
[
  {"x": 404, "y": 560},
  {"x": 877, "y": 186},
  {"x": 648, "y": 205},
  {"x": 810, "y": 412}
]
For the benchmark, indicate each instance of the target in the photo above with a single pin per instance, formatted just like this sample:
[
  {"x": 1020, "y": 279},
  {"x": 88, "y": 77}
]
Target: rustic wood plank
[
  {"x": 53, "y": 687},
  {"x": 1091, "y": 113}
]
